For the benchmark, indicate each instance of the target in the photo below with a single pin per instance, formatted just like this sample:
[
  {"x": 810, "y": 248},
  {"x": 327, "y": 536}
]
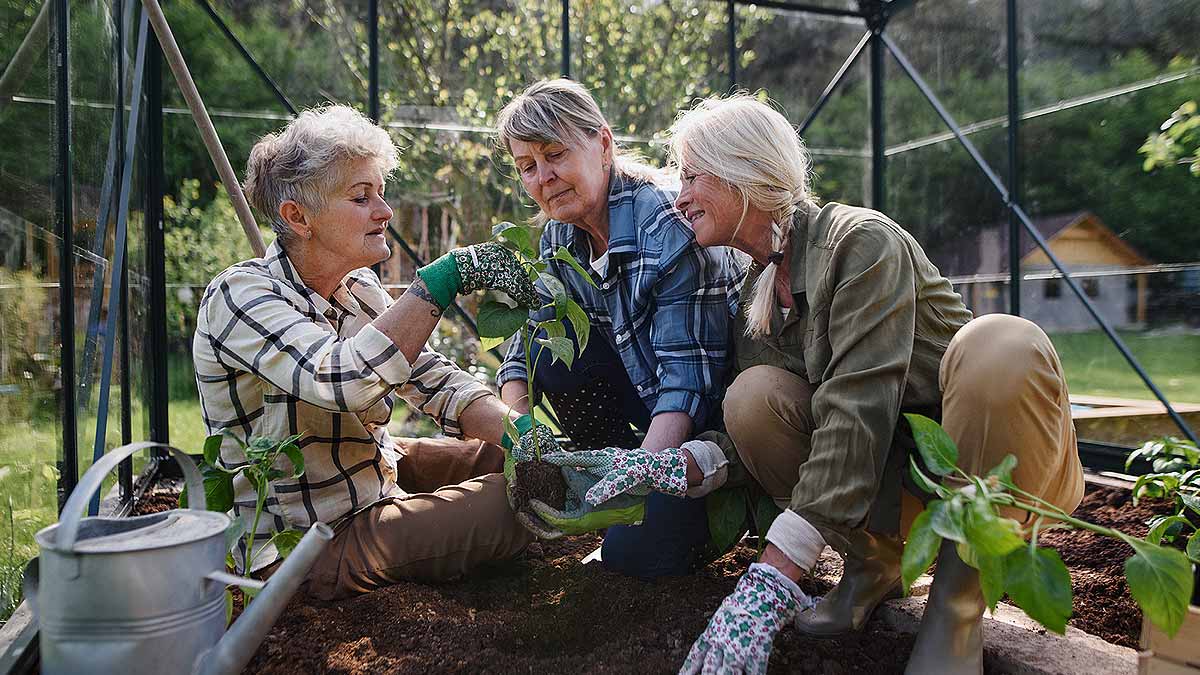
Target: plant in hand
[
  {"x": 262, "y": 457},
  {"x": 499, "y": 321},
  {"x": 1035, "y": 579}
]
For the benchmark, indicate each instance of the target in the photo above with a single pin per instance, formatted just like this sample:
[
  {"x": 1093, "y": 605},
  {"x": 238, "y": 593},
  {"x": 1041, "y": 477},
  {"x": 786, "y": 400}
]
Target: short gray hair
[{"x": 306, "y": 161}]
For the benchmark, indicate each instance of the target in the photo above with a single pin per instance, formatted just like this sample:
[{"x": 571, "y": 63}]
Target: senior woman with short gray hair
[
  {"x": 305, "y": 341},
  {"x": 660, "y": 309}
]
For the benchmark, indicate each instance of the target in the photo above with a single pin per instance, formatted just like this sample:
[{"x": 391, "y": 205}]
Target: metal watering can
[{"x": 146, "y": 594}]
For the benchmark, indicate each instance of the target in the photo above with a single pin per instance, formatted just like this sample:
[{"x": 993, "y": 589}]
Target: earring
[{"x": 308, "y": 234}]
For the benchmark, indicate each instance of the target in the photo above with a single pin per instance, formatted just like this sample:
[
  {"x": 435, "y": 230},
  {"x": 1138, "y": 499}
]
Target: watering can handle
[{"x": 68, "y": 526}]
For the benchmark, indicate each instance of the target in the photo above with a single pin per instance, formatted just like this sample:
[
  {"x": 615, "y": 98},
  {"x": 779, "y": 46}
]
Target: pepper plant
[
  {"x": 1176, "y": 475},
  {"x": 499, "y": 320},
  {"x": 967, "y": 511}
]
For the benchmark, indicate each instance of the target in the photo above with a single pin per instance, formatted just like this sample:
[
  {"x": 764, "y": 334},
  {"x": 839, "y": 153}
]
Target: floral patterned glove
[
  {"x": 481, "y": 266},
  {"x": 523, "y": 451},
  {"x": 742, "y": 631},
  {"x": 628, "y": 471}
]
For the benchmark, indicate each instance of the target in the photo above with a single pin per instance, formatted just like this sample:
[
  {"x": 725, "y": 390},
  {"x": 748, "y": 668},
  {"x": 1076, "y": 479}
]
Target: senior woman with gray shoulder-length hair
[
  {"x": 304, "y": 341},
  {"x": 845, "y": 325},
  {"x": 659, "y": 305}
]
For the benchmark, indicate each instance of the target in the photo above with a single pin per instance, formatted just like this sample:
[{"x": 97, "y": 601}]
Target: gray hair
[
  {"x": 754, "y": 149},
  {"x": 563, "y": 111},
  {"x": 307, "y": 160}
]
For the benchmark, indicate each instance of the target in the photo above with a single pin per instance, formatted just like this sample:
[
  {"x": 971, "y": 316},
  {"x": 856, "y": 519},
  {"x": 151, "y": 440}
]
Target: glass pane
[{"x": 30, "y": 426}]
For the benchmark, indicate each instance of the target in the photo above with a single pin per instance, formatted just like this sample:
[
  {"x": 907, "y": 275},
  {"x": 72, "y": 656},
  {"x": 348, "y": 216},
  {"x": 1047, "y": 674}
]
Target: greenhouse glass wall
[{"x": 1004, "y": 135}]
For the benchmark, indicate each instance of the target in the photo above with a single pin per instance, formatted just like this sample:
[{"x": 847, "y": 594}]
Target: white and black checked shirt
[{"x": 273, "y": 358}]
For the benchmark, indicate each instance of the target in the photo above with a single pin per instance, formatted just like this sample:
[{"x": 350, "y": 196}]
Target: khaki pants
[
  {"x": 1003, "y": 392},
  {"x": 462, "y": 519}
]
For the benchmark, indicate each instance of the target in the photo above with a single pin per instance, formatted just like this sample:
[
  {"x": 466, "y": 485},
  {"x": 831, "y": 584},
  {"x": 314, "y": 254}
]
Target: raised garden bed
[{"x": 547, "y": 612}]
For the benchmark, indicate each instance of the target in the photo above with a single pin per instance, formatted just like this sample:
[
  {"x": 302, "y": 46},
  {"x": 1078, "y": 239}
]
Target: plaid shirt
[
  {"x": 273, "y": 358},
  {"x": 664, "y": 302}
]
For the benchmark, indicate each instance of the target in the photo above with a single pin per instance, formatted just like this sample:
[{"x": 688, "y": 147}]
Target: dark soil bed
[{"x": 547, "y": 612}]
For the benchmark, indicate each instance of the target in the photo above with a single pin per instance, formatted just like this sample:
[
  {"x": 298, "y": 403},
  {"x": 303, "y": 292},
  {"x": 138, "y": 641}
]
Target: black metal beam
[
  {"x": 565, "y": 67},
  {"x": 64, "y": 185},
  {"x": 241, "y": 48},
  {"x": 878, "y": 148},
  {"x": 1014, "y": 163},
  {"x": 731, "y": 21},
  {"x": 156, "y": 295},
  {"x": 834, "y": 83},
  {"x": 930, "y": 96},
  {"x": 372, "y": 61},
  {"x": 801, "y": 8}
]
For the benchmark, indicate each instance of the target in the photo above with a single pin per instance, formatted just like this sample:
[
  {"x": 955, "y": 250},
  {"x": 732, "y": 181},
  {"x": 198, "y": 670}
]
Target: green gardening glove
[
  {"x": 524, "y": 450},
  {"x": 579, "y": 516},
  {"x": 481, "y": 266}
]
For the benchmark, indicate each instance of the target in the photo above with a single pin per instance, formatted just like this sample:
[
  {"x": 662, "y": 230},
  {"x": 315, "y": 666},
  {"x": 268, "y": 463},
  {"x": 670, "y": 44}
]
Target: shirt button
[
  {"x": 606, "y": 285},
  {"x": 639, "y": 387}
]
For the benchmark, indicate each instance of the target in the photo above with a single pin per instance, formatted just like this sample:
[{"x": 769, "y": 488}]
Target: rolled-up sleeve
[
  {"x": 441, "y": 390},
  {"x": 856, "y": 406},
  {"x": 690, "y": 336},
  {"x": 253, "y": 327}
]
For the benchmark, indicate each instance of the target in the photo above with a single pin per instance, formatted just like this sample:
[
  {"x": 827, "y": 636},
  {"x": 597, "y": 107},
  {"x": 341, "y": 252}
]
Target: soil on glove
[
  {"x": 547, "y": 612},
  {"x": 538, "y": 480},
  {"x": 1103, "y": 605}
]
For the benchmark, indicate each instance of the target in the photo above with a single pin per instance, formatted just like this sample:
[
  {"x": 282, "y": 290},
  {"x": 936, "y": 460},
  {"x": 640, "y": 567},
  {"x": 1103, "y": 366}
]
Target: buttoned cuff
[
  {"x": 382, "y": 356},
  {"x": 797, "y": 538}
]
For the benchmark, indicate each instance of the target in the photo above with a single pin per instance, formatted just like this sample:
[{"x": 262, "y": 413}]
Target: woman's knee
[
  {"x": 765, "y": 403},
  {"x": 1003, "y": 355}
]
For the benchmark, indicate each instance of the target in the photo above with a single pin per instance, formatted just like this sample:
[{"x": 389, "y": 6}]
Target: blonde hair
[
  {"x": 307, "y": 160},
  {"x": 752, "y": 148},
  {"x": 563, "y": 111}
]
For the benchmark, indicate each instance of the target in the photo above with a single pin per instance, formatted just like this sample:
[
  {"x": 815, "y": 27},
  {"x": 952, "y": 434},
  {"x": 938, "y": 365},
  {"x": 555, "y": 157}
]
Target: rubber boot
[
  {"x": 871, "y": 575},
  {"x": 950, "y": 641}
]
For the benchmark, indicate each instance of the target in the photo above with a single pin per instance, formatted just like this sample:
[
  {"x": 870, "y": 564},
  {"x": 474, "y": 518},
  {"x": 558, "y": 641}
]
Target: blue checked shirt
[{"x": 664, "y": 303}]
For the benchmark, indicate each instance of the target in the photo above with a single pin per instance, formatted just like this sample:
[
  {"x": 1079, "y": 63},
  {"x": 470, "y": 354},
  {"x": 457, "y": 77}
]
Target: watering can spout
[{"x": 237, "y": 647}]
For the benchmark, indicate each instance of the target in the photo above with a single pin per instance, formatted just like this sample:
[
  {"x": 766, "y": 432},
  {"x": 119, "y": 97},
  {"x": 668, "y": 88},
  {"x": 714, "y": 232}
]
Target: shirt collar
[
  {"x": 622, "y": 228},
  {"x": 802, "y": 222}
]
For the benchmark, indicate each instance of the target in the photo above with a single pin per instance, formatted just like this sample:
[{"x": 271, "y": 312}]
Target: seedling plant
[
  {"x": 1176, "y": 475},
  {"x": 967, "y": 511}
]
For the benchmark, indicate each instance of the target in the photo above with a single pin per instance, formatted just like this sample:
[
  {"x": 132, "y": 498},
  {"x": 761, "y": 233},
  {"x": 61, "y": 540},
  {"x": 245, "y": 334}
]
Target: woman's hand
[
  {"x": 481, "y": 266},
  {"x": 693, "y": 470}
]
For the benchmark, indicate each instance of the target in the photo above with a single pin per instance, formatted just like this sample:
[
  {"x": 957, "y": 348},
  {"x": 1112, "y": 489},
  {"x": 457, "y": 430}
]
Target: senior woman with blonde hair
[
  {"x": 845, "y": 323},
  {"x": 659, "y": 305},
  {"x": 304, "y": 341}
]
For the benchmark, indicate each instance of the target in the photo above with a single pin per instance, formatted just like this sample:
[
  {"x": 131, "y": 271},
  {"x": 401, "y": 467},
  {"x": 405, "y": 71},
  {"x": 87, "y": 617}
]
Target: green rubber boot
[
  {"x": 950, "y": 641},
  {"x": 871, "y": 575}
]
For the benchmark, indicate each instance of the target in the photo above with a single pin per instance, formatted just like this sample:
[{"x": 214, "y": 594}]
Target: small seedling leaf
[
  {"x": 286, "y": 540},
  {"x": 765, "y": 513},
  {"x": 1191, "y": 501},
  {"x": 1193, "y": 545},
  {"x": 1039, "y": 583},
  {"x": 212, "y": 449},
  {"x": 987, "y": 532},
  {"x": 1004, "y": 469},
  {"x": 564, "y": 255},
  {"x": 237, "y": 527},
  {"x": 560, "y": 347},
  {"x": 1160, "y": 580},
  {"x": 554, "y": 329},
  {"x": 490, "y": 343},
  {"x": 510, "y": 431},
  {"x": 923, "y": 481},
  {"x": 946, "y": 517},
  {"x": 296, "y": 457},
  {"x": 1165, "y": 526},
  {"x": 937, "y": 449},
  {"x": 228, "y": 606},
  {"x": 218, "y": 490},
  {"x": 726, "y": 510},
  {"x": 919, "y": 550},
  {"x": 991, "y": 578},
  {"x": 580, "y": 322},
  {"x": 516, "y": 237},
  {"x": 498, "y": 320}
]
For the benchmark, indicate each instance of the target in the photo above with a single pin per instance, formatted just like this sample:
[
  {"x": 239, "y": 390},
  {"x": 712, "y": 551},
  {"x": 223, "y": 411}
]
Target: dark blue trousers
[{"x": 597, "y": 405}]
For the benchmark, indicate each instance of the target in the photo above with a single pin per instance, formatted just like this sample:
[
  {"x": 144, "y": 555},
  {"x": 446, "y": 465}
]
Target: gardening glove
[
  {"x": 579, "y": 516},
  {"x": 481, "y": 266},
  {"x": 741, "y": 633},
  {"x": 638, "y": 471},
  {"x": 524, "y": 450}
]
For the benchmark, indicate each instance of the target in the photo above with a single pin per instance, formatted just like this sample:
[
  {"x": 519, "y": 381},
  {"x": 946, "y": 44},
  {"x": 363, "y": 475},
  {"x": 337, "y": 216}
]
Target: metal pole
[
  {"x": 565, "y": 69},
  {"x": 69, "y": 474},
  {"x": 834, "y": 83},
  {"x": 803, "y": 9},
  {"x": 241, "y": 48},
  {"x": 373, "y": 60},
  {"x": 733, "y": 55},
  {"x": 930, "y": 96},
  {"x": 156, "y": 273},
  {"x": 1014, "y": 164},
  {"x": 125, "y": 471},
  {"x": 878, "y": 150}
]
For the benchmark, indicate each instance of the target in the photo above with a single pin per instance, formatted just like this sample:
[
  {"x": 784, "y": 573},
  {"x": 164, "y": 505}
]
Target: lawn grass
[{"x": 1095, "y": 367}]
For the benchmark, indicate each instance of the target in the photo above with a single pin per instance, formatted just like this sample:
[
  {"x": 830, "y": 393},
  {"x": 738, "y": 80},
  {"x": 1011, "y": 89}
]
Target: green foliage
[
  {"x": 727, "y": 510},
  {"x": 1178, "y": 141},
  {"x": 1160, "y": 578}
]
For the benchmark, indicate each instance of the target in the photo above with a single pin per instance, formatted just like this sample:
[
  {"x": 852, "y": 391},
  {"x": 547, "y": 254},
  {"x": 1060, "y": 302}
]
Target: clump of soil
[
  {"x": 155, "y": 502},
  {"x": 538, "y": 480}
]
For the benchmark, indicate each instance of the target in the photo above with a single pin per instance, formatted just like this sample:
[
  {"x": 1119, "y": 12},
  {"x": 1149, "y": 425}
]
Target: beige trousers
[
  {"x": 460, "y": 520},
  {"x": 1003, "y": 391}
]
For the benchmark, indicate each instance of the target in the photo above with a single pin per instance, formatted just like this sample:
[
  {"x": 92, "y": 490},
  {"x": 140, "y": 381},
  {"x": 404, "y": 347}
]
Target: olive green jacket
[{"x": 872, "y": 317}]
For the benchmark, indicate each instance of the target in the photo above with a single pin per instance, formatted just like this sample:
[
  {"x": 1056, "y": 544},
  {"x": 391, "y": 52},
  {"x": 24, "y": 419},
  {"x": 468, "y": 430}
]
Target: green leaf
[
  {"x": 1004, "y": 469},
  {"x": 987, "y": 532},
  {"x": 228, "y": 606},
  {"x": 991, "y": 577},
  {"x": 1193, "y": 545},
  {"x": 1160, "y": 580},
  {"x": 1161, "y": 526},
  {"x": 518, "y": 237},
  {"x": 560, "y": 347},
  {"x": 564, "y": 255},
  {"x": 285, "y": 541},
  {"x": 554, "y": 329},
  {"x": 1190, "y": 501},
  {"x": 293, "y": 453},
  {"x": 498, "y": 320},
  {"x": 1038, "y": 582},
  {"x": 218, "y": 490},
  {"x": 212, "y": 449},
  {"x": 937, "y": 449},
  {"x": 765, "y": 513},
  {"x": 490, "y": 343},
  {"x": 920, "y": 549},
  {"x": 726, "y": 509},
  {"x": 946, "y": 517},
  {"x": 923, "y": 481},
  {"x": 237, "y": 527},
  {"x": 510, "y": 430},
  {"x": 557, "y": 291},
  {"x": 580, "y": 322}
]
